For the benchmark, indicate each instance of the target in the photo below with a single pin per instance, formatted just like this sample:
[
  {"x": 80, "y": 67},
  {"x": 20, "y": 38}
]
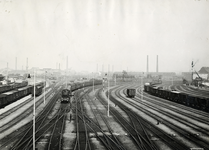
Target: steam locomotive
[{"x": 66, "y": 95}]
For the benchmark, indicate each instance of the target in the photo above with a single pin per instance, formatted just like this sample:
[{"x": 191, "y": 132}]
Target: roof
[
  {"x": 176, "y": 92},
  {"x": 204, "y": 70}
]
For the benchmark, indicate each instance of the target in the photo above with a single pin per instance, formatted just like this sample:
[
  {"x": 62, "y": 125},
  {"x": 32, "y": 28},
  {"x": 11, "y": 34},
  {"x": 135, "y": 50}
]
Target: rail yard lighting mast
[
  {"x": 115, "y": 78},
  {"x": 93, "y": 82},
  {"x": 34, "y": 110},
  {"x": 142, "y": 87},
  {"x": 44, "y": 86},
  {"x": 108, "y": 99},
  {"x": 34, "y": 107}
]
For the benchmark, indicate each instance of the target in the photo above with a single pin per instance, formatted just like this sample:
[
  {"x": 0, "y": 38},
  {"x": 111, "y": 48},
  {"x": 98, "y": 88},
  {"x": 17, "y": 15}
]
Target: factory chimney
[
  {"x": 67, "y": 63},
  {"x": 157, "y": 64},
  {"x": 7, "y": 70},
  {"x": 27, "y": 64},
  {"x": 15, "y": 63},
  {"x": 147, "y": 64}
]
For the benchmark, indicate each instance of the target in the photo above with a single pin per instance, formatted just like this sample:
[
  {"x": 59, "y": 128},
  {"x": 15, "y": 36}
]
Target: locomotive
[
  {"x": 196, "y": 102},
  {"x": 66, "y": 95}
]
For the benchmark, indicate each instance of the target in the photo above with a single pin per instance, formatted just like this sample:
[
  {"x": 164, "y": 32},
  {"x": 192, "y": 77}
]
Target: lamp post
[
  {"x": 44, "y": 86},
  {"x": 108, "y": 109},
  {"x": 142, "y": 87},
  {"x": 34, "y": 110},
  {"x": 93, "y": 82},
  {"x": 115, "y": 79}
]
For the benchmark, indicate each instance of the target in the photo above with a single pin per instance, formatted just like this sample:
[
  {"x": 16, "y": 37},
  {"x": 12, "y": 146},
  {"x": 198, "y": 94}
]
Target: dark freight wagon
[{"x": 131, "y": 92}]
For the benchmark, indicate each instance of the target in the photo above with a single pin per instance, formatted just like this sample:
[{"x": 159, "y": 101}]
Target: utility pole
[
  {"x": 44, "y": 86},
  {"x": 34, "y": 111},
  {"x": 142, "y": 87},
  {"x": 108, "y": 109},
  {"x": 93, "y": 81}
]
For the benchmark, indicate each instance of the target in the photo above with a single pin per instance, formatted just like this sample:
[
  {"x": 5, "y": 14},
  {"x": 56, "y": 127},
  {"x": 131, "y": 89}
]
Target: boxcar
[
  {"x": 174, "y": 96},
  {"x": 131, "y": 92},
  {"x": 23, "y": 91},
  {"x": 9, "y": 97},
  {"x": 183, "y": 98},
  {"x": 3, "y": 101},
  {"x": 5, "y": 88},
  {"x": 166, "y": 94}
]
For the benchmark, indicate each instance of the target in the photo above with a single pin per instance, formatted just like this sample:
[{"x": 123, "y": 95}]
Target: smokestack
[
  {"x": 147, "y": 63},
  {"x": 157, "y": 64},
  {"x": 7, "y": 70},
  {"x": 27, "y": 64},
  {"x": 67, "y": 63},
  {"x": 59, "y": 66},
  {"x": 15, "y": 63}
]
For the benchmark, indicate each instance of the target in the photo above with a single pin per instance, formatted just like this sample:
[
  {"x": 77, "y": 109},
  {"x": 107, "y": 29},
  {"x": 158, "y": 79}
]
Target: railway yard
[{"x": 100, "y": 118}]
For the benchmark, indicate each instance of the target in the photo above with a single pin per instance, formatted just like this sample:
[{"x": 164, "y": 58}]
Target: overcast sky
[{"x": 120, "y": 33}]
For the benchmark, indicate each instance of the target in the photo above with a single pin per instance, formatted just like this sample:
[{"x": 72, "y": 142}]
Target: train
[
  {"x": 67, "y": 93},
  {"x": 11, "y": 96},
  {"x": 197, "y": 102},
  {"x": 9, "y": 87},
  {"x": 131, "y": 93}
]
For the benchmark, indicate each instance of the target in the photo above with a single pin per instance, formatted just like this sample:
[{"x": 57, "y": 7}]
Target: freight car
[
  {"x": 201, "y": 103},
  {"x": 7, "y": 98},
  {"x": 38, "y": 88},
  {"x": 131, "y": 93},
  {"x": 9, "y": 87}
]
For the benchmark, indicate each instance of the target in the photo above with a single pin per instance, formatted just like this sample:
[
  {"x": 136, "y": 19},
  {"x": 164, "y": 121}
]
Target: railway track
[
  {"x": 188, "y": 112},
  {"x": 112, "y": 141},
  {"x": 202, "y": 117},
  {"x": 183, "y": 122},
  {"x": 86, "y": 125},
  {"x": 169, "y": 140},
  {"x": 137, "y": 134},
  {"x": 24, "y": 137}
]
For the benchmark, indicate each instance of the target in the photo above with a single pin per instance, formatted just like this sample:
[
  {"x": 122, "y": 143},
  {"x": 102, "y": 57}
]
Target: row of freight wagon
[
  {"x": 14, "y": 95},
  {"x": 9, "y": 87},
  {"x": 197, "y": 102}
]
